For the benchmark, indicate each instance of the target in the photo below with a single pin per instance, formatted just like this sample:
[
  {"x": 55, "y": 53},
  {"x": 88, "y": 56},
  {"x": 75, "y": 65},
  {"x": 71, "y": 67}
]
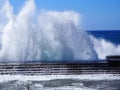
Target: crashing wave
[
  {"x": 48, "y": 35},
  {"x": 105, "y": 48}
]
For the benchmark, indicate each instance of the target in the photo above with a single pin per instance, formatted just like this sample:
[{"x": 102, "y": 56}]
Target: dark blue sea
[
  {"x": 105, "y": 42},
  {"x": 112, "y": 36}
]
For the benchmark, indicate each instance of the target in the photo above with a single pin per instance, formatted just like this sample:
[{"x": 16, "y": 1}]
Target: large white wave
[
  {"x": 105, "y": 48},
  {"x": 48, "y": 35}
]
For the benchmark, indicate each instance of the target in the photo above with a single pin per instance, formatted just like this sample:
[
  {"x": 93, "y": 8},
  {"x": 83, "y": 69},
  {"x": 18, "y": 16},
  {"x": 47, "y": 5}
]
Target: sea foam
[{"x": 105, "y": 48}]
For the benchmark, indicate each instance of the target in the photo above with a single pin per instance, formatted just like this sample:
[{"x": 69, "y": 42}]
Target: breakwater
[{"x": 57, "y": 68}]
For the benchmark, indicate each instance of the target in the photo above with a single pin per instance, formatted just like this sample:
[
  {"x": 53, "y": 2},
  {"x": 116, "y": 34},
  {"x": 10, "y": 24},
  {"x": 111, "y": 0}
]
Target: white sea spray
[{"x": 47, "y": 35}]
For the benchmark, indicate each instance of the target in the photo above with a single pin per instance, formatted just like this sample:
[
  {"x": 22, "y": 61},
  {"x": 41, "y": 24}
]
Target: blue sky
[{"x": 96, "y": 14}]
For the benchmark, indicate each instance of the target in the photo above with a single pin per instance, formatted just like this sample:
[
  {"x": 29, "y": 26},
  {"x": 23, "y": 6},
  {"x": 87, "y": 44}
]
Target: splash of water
[
  {"x": 49, "y": 35},
  {"x": 105, "y": 48}
]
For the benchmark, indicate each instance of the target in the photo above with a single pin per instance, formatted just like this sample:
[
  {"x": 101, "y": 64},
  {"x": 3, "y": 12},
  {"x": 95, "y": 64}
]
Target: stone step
[{"x": 60, "y": 69}]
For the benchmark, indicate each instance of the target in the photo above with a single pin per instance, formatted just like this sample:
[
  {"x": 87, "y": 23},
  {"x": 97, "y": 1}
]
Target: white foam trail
[
  {"x": 49, "y": 35},
  {"x": 4, "y": 78},
  {"x": 105, "y": 48}
]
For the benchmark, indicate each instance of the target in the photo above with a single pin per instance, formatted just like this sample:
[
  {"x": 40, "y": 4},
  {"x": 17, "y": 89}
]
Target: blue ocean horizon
[{"x": 109, "y": 35}]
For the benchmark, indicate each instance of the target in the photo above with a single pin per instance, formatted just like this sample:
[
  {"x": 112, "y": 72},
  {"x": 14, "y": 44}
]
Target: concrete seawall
[{"x": 57, "y": 68}]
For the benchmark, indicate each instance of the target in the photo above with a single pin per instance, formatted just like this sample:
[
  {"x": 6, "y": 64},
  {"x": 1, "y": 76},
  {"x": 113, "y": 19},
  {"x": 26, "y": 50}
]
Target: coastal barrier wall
[{"x": 57, "y": 68}]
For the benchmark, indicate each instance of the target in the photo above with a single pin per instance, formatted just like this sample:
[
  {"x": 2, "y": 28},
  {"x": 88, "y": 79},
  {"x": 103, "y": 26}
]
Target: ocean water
[
  {"x": 112, "y": 36},
  {"x": 71, "y": 82},
  {"x": 53, "y": 36},
  {"x": 61, "y": 82},
  {"x": 106, "y": 42}
]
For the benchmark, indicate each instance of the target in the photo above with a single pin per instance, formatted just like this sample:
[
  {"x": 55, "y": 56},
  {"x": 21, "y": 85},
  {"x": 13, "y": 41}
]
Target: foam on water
[
  {"x": 48, "y": 35},
  {"x": 104, "y": 47},
  {"x": 24, "y": 78},
  {"x": 60, "y": 82}
]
